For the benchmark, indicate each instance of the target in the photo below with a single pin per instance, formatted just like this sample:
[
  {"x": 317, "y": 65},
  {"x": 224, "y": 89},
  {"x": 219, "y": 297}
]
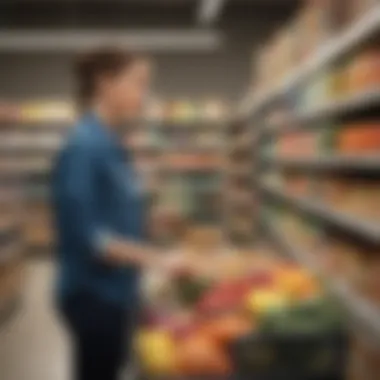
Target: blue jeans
[{"x": 102, "y": 335}]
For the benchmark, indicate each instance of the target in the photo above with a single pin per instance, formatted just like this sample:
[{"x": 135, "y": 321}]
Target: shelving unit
[
  {"x": 367, "y": 231},
  {"x": 238, "y": 199},
  {"x": 361, "y": 314},
  {"x": 365, "y": 29},
  {"x": 319, "y": 137},
  {"x": 362, "y": 105}
]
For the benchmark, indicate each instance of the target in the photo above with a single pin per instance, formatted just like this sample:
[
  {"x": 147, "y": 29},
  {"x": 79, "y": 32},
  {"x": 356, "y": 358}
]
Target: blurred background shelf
[
  {"x": 362, "y": 316},
  {"x": 363, "y": 105},
  {"x": 357, "y": 34},
  {"x": 338, "y": 164},
  {"x": 367, "y": 231}
]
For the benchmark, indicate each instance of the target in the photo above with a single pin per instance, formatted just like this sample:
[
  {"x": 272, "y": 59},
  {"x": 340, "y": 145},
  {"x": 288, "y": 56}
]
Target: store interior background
[{"x": 341, "y": 226}]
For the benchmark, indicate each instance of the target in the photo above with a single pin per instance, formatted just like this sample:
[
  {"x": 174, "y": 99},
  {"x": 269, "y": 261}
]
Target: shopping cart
[{"x": 289, "y": 356}]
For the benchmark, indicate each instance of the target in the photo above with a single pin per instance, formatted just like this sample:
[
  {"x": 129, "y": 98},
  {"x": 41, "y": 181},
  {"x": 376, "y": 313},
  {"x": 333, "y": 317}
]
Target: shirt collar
[{"x": 93, "y": 120}]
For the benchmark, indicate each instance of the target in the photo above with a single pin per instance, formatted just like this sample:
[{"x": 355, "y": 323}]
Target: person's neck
[{"x": 109, "y": 119}]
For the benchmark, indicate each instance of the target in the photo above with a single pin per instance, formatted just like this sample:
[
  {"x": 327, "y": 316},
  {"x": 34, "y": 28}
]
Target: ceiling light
[{"x": 209, "y": 11}]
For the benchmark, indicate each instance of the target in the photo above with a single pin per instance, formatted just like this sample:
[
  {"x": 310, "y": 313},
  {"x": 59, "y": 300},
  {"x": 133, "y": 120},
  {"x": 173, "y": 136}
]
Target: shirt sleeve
[{"x": 82, "y": 191}]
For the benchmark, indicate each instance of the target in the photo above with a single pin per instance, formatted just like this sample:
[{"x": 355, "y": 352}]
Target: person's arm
[
  {"x": 121, "y": 251},
  {"x": 81, "y": 187}
]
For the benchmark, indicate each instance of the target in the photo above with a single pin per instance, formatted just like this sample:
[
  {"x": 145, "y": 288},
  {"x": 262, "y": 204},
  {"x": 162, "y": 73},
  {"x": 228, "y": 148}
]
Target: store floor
[{"x": 32, "y": 343}]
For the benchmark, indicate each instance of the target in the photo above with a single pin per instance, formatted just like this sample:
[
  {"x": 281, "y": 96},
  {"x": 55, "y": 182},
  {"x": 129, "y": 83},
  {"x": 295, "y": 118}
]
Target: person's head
[{"x": 113, "y": 79}]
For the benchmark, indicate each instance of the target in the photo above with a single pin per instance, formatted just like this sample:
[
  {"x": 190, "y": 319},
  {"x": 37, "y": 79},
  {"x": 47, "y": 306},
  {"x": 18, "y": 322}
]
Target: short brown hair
[{"x": 102, "y": 62}]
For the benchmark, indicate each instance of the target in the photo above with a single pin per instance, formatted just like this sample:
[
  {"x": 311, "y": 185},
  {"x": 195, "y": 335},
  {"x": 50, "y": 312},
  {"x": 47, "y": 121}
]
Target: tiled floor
[{"x": 33, "y": 345}]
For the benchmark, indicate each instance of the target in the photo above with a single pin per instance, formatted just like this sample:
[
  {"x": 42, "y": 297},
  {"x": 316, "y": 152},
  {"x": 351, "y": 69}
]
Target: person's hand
[{"x": 177, "y": 264}]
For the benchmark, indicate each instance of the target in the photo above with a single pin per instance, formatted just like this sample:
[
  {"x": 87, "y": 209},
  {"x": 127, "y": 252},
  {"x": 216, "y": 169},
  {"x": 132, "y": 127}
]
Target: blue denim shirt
[{"x": 95, "y": 195}]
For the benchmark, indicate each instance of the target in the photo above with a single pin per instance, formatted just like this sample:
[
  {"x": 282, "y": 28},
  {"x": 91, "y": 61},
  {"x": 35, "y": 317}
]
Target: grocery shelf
[
  {"x": 345, "y": 164},
  {"x": 18, "y": 176},
  {"x": 22, "y": 151},
  {"x": 187, "y": 169},
  {"x": 173, "y": 125},
  {"x": 363, "y": 104},
  {"x": 361, "y": 31},
  {"x": 195, "y": 149},
  {"x": 365, "y": 231},
  {"x": 11, "y": 177},
  {"x": 34, "y": 126},
  {"x": 362, "y": 316}
]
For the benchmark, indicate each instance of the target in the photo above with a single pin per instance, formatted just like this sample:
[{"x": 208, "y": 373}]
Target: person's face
[{"x": 126, "y": 92}]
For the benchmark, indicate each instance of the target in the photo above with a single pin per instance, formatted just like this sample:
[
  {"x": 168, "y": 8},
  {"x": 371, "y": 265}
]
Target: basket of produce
[{"x": 273, "y": 319}]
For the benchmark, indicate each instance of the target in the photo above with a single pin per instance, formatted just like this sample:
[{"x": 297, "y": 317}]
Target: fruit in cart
[
  {"x": 222, "y": 297},
  {"x": 199, "y": 355},
  {"x": 181, "y": 324},
  {"x": 230, "y": 295},
  {"x": 364, "y": 71},
  {"x": 263, "y": 301},
  {"x": 228, "y": 327},
  {"x": 156, "y": 350},
  {"x": 359, "y": 138},
  {"x": 296, "y": 283},
  {"x": 259, "y": 279},
  {"x": 190, "y": 288}
]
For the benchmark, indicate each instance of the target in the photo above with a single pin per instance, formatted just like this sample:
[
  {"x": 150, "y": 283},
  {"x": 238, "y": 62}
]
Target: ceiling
[{"x": 134, "y": 13}]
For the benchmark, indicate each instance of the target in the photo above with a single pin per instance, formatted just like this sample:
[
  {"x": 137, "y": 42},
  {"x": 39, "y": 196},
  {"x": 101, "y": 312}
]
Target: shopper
[{"x": 99, "y": 210}]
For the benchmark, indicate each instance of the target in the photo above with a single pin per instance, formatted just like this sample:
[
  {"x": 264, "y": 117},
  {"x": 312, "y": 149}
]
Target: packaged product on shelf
[
  {"x": 363, "y": 200},
  {"x": 273, "y": 178},
  {"x": 298, "y": 144},
  {"x": 359, "y": 138},
  {"x": 316, "y": 91},
  {"x": 182, "y": 111},
  {"x": 311, "y": 27},
  {"x": 364, "y": 71},
  {"x": 339, "y": 82},
  {"x": 357, "y": 198},
  {"x": 48, "y": 111},
  {"x": 214, "y": 110}
]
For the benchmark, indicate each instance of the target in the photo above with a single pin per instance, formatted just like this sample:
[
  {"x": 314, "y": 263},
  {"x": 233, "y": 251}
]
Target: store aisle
[{"x": 32, "y": 344}]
